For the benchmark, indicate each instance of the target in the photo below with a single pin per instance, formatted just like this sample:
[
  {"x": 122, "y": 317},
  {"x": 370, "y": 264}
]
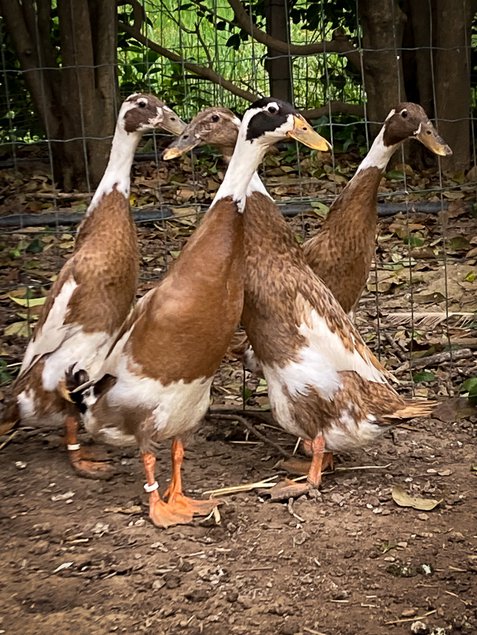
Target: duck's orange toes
[
  {"x": 88, "y": 463},
  {"x": 178, "y": 510}
]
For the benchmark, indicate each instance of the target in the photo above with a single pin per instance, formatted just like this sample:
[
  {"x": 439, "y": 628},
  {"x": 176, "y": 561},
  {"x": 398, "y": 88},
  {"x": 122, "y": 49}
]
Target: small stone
[
  {"x": 231, "y": 595},
  {"x": 172, "y": 581},
  {"x": 197, "y": 595},
  {"x": 289, "y": 627},
  {"x": 158, "y": 584},
  {"x": 408, "y": 613},
  {"x": 40, "y": 547},
  {"x": 419, "y": 627},
  {"x": 423, "y": 517},
  {"x": 20, "y": 465},
  {"x": 186, "y": 566}
]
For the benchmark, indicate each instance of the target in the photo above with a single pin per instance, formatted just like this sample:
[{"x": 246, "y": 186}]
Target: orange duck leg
[
  {"x": 86, "y": 463},
  {"x": 179, "y": 509},
  {"x": 319, "y": 462},
  {"x": 302, "y": 466}
]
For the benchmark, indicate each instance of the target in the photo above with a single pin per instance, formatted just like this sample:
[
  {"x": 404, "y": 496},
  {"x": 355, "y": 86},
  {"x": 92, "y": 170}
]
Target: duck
[
  {"x": 341, "y": 253},
  {"x": 324, "y": 384},
  {"x": 93, "y": 293},
  {"x": 155, "y": 382}
]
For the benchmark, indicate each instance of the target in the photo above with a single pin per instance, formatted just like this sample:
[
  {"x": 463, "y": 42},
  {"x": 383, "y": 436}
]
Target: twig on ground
[
  {"x": 241, "y": 419},
  {"x": 8, "y": 439},
  {"x": 410, "y": 619}
]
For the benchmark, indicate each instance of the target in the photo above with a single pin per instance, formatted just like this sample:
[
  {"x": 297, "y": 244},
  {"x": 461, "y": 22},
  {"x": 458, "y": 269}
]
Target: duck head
[
  {"x": 140, "y": 112},
  {"x": 268, "y": 120},
  {"x": 409, "y": 120},
  {"x": 215, "y": 126}
]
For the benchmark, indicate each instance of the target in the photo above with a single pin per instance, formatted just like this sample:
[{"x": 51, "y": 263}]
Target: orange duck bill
[
  {"x": 428, "y": 136},
  {"x": 304, "y": 133}
]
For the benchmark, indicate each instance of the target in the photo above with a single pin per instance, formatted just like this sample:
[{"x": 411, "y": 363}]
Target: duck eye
[
  {"x": 142, "y": 103},
  {"x": 215, "y": 118},
  {"x": 404, "y": 114},
  {"x": 272, "y": 110}
]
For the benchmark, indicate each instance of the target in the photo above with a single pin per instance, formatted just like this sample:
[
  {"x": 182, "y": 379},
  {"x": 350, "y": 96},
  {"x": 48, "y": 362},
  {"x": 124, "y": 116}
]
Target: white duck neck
[
  {"x": 379, "y": 154},
  {"x": 118, "y": 170},
  {"x": 242, "y": 166}
]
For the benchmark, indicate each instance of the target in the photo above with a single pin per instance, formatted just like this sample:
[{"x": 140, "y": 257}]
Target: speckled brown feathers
[
  {"x": 342, "y": 251},
  {"x": 105, "y": 264},
  {"x": 281, "y": 297}
]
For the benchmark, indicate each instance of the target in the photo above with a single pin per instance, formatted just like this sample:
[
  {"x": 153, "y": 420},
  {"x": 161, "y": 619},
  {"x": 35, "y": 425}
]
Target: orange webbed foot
[
  {"x": 302, "y": 466},
  {"x": 179, "y": 510},
  {"x": 90, "y": 469}
]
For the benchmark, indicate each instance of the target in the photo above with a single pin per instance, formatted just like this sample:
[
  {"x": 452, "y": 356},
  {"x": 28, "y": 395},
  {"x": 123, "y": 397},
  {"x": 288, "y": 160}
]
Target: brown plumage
[
  {"x": 323, "y": 382},
  {"x": 342, "y": 251},
  {"x": 159, "y": 372},
  {"x": 94, "y": 290}
]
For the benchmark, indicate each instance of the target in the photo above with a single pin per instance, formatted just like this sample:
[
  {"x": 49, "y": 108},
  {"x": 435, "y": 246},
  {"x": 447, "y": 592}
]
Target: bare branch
[
  {"x": 197, "y": 69},
  {"x": 339, "y": 44}
]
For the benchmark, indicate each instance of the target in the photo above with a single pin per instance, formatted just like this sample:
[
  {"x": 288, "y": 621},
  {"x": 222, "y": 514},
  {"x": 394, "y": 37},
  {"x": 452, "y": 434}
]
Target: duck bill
[
  {"x": 179, "y": 147},
  {"x": 171, "y": 122},
  {"x": 304, "y": 133},
  {"x": 428, "y": 136}
]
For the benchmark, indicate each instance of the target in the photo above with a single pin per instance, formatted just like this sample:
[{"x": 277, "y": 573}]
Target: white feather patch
[
  {"x": 176, "y": 408},
  {"x": 80, "y": 350},
  {"x": 53, "y": 332},
  {"x": 379, "y": 154},
  {"x": 327, "y": 349},
  {"x": 352, "y": 434}
]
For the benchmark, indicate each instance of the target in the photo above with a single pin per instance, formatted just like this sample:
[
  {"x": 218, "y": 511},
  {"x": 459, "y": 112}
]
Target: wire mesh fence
[{"x": 426, "y": 261}]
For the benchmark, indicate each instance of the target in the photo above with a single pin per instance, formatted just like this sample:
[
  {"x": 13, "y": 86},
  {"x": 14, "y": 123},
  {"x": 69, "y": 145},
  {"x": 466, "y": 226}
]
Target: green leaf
[
  {"x": 22, "y": 329},
  {"x": 423, "y": 375}
]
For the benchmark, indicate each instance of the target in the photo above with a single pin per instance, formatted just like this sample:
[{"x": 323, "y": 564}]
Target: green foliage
[{"x": 470, "y": 387}]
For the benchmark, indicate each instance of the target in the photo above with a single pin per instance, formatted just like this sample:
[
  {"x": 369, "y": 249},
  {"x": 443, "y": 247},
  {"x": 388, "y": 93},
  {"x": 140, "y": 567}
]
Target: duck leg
[
  {"x": 296, "y": 465},
  {"x": 179, "y": 509},
  {"x": 96, "y": 468},
  {"x": 291, "y": 489},
  {"x": 175, "y": 497}
]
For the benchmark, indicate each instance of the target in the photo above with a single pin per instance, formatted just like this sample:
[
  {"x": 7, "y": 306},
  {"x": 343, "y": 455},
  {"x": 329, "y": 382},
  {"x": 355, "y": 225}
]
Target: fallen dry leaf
[{"x": 401, "y": 498}]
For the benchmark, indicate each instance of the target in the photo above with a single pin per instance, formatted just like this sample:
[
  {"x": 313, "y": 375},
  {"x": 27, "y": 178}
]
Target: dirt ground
[{"x": 80, "y": 556}]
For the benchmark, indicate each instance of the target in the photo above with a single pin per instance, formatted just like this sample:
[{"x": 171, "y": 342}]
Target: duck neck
[
  {"x": 118, "y": 170},
  {"x": 242, "y": 166},
  {"x": 379, "y": 154}
]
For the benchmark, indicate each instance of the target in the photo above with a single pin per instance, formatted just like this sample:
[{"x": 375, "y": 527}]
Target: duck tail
[
  {"x": 70, "y": 387},
  {"x": 413, "y": 408}
]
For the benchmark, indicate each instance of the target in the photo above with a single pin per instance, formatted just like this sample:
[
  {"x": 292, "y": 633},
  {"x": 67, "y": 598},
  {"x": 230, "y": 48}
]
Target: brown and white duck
[
  {"x": 342, "y": 251},
  {"x": 157, "y": 377},
  {"x": 94, "y": 291}
]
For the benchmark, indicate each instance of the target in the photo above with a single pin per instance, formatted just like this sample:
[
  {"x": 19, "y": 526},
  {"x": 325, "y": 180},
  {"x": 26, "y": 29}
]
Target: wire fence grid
[{"x": 37, "y": 251}]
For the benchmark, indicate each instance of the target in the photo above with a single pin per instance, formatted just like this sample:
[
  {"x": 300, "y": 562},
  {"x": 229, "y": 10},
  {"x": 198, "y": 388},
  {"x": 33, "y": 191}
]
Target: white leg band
[
  {"x": 151, "y": 488},
  {"x": 73, "y": 446}
]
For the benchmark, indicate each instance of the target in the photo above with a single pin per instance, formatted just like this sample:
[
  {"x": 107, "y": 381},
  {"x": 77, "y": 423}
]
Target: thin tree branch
[
  {"x": 333, "y": 108},
  {"x": 339, "y": 44},
  {"x": 197, "y": 69}
]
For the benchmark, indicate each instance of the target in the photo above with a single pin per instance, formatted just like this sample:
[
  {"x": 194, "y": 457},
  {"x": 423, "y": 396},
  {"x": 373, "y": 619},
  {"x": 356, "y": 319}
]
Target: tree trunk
[
  {"x": 278, "y": 64},
  {"x": 76, "y": 100},
  {"x": 382, "y": 24},
  {"x": 452, "y": 39}
]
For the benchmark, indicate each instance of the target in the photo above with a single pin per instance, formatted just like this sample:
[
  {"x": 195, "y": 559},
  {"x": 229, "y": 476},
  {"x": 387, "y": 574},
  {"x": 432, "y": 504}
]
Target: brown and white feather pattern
[{"x": 321, "y": 376}]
